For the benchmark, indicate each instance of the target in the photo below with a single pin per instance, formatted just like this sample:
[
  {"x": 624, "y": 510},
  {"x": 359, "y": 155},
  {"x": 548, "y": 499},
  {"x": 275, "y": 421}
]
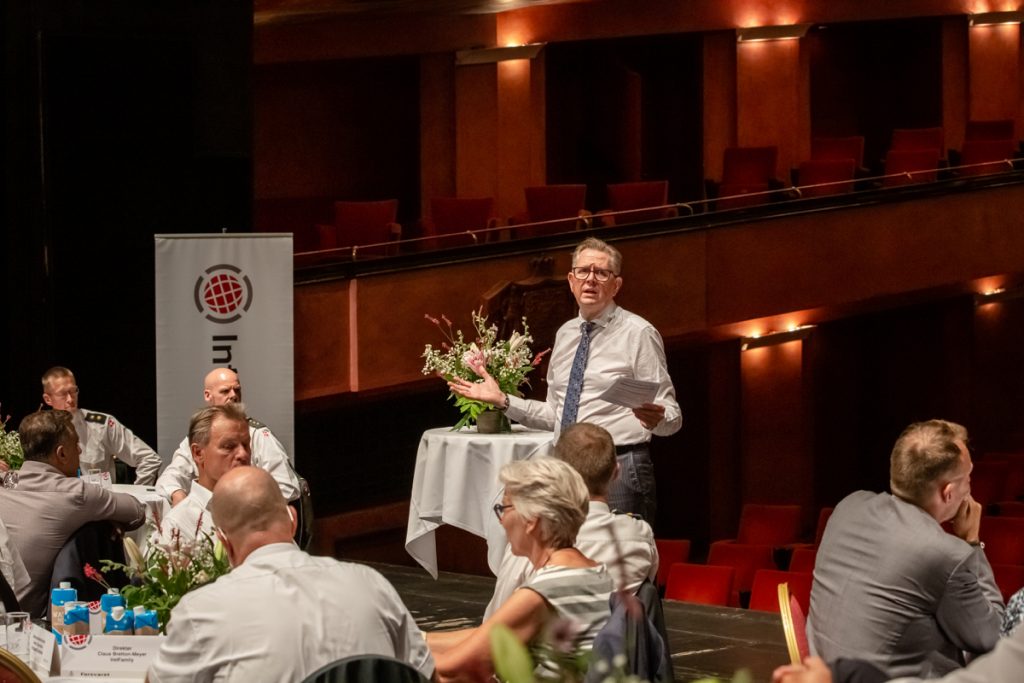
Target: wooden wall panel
[
  {"x": 322, "y": 349},
  {"x": 771, "y": 78},
  {"x": 812, "y": 260},
  {"x": 994, "y": 71}
]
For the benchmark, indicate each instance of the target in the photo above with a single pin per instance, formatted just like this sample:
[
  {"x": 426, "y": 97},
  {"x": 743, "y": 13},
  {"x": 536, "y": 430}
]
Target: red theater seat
[
  {"x": 670, "y": 551},
  {"x": 450, "y": 216},
  {"x": 549, "y": 205},
  {"x": 708, "y": 585},
  {"x": 823, "y": 177},
  {"x": 1004, "y": 539},
  {"x": 769, "y": 524},
  {"x": 764, "y": 595},
  {"x": 745, "y": 559},
  {"x": 637, "y": 200},
  {"x": 910, "y": 166},
  {"x": 361, "y": 223}
]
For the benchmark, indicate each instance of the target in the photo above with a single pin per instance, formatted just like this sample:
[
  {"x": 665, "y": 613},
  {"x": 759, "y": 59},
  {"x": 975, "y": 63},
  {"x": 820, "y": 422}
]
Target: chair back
[
  {"x": 823, "y": 177},
  {"x": 670, "y": 551},
  {"x": 358, "y": 223},
  {"x": 745, "y": 559},
  {"x": 637, "y": 198},
  {"x": 304, "y": 506},
  {"x": 831, "y": 149},
  {"x": 1004, "y": 539},
  {"x": 366, "y": 669},
  {"x": 918, "y": 138},
  {"x": 764, "y": 594},
  {"x": 749, "y": 165},
  {"x": 459, "y": 214},
  {"x": 981, "y": 157},
  {"x": 700, "y": 583},
  {"x": 998, "y": 129},
  {"x": 1009, "y": 578},
  {"x": 819, "y": 532},
  {"x": 794, "y": 625},
  {"x": 551, "y": 203},
  {"x": 769, "y": 524},
  {"x": 909, "y": 166},
  {"x": 802, "y": 559}
]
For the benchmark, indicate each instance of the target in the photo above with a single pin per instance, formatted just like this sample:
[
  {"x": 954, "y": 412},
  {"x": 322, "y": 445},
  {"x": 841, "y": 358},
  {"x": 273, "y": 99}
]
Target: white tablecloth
[
  {"x": 155, "y": 505},
  {"x": 456, "y": 482}
]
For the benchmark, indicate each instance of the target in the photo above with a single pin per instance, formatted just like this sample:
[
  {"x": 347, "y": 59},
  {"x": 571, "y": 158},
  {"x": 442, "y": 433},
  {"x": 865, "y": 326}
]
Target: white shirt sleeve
[
  {"x": 179, "y": 473},
  {"x": 132, "y": 450},
  {"x": 268, "y": 454}
]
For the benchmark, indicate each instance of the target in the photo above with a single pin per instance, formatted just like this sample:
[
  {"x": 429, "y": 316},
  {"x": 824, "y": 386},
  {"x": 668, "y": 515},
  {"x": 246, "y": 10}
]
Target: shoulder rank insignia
[
  {"x": 256, "y": 424},
  {"x": 98, "y": 418},
  {"x": 634, "y": 515}
]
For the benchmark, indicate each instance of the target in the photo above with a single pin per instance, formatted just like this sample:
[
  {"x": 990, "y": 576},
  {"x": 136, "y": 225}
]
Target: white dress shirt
[
  {"x": 267, "y": 454},
  {"x": 622, "y": 543},
  {"x": 189, "y": 517},
  {"x": 281, "y": 615},
  {"x": 102, "y": 438},
  {"x": 621, "y": 345}
]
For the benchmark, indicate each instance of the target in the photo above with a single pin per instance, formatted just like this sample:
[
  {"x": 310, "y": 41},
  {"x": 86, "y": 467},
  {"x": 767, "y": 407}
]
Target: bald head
[
  {"x": 221, "y": 386},
  {"x": 248, "y": 502}
]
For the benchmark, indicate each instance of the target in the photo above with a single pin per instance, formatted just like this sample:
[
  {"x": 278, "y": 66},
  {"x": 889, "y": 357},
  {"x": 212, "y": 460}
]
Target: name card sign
[
  {"x": 42, "y": 652},
  {"x": 108, "y": 656}
]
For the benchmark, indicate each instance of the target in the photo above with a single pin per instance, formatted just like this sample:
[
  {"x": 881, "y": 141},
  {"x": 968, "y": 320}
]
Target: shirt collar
[
  {"x": 269, "y": 550},
  {"x": 200, "y": 494},
  {"x": 606, "y": 316}
]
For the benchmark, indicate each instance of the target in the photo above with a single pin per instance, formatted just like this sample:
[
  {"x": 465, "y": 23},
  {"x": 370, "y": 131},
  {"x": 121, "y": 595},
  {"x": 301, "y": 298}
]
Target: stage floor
[{"x": 705, "y": 640}]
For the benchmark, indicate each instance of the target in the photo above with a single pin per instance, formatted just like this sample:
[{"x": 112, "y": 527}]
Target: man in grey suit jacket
[
  {"x": 1004, "y": 664},
  {"x": 890, "y": 585}
]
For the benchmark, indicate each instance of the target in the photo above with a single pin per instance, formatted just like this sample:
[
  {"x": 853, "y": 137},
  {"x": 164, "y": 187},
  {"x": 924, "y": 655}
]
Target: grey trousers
[{"x": 634, "y": 490}]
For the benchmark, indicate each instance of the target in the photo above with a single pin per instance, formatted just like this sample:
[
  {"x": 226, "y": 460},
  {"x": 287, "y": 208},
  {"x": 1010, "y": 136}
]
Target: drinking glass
[
  {"x": 94, "y": 475},
  {"x": 18, "y": 627}
]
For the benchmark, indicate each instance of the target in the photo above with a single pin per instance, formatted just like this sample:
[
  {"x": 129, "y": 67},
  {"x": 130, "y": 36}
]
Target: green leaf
[{"x": 512, "y": 660}]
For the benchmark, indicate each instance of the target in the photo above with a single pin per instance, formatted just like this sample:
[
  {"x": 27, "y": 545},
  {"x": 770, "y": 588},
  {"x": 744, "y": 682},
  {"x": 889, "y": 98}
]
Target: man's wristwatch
[
  {"x": 977, "y": 544},
  {"x": 504, "y": 406}
]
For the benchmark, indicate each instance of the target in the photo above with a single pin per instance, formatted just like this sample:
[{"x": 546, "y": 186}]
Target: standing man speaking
[{"x": 603, "y": 343}]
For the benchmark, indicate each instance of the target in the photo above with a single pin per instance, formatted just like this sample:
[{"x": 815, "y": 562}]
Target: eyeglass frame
[
  {"x": 609, "y": 275},
  {"x": 499, "y": 509},
  {"x": 70, "y": 391}
]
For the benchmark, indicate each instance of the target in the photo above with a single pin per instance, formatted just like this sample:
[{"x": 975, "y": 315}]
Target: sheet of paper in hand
[{"x": 631, "y": 393}]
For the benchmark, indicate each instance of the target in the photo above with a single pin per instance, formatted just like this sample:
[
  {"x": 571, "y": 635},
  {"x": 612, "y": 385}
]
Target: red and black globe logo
[{"x": 223, "y": 293}]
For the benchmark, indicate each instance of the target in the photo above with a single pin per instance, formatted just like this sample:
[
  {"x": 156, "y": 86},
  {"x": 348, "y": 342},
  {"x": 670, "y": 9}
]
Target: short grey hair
[
  {"x": 549, "y": 491},
  {"x": 614, "y": 255},
  {"x": 201, "y": 424},
  {"x": 923, "y": 454}
]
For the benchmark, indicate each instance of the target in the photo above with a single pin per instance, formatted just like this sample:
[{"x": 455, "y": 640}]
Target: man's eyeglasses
[
  {"x": 70, "y": 391},
  {"x": 499, "y": 509},
  {"x": 600, "y": 274}
]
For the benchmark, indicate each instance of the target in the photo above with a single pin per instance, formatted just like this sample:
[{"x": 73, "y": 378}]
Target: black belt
[{"x": 627, "y": 448}]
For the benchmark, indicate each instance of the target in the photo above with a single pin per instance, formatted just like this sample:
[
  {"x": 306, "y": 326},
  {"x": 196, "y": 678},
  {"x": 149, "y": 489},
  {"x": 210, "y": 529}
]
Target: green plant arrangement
[
  {"x": 509, "y": 361},
  {"x": 167, "y": 571},
  {"x": 10, "y": 446}
]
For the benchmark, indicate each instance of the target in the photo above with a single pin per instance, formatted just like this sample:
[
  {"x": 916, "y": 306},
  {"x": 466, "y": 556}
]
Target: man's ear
[
  {"x": 294, "y": 517},
  {"x": 616, "y": 473},
  {"x": 197, "y": 453},
  {"x": 47, "y": 400}
]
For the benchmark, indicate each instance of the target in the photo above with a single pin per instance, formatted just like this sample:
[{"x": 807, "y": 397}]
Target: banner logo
[{"x": 223, "y": 293}]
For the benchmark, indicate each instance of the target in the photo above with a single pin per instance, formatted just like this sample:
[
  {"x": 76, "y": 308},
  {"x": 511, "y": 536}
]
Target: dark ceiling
[{"x": 281, "y": 11}]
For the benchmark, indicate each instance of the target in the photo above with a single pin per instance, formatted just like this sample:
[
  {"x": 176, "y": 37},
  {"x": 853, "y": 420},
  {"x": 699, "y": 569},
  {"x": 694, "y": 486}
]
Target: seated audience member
[
  {"x": 1005, "y": 664},
  {"x": 544, "y": 504},
  {"x": 891, "y": 586},
  {"x": 219, "y": 439},
  {"x": 221, "y": 386},
  {"x": 50, "y": 502},
  {"x": 623, "y": 543},
  {"x": 280, "y": 614},
  {"x": 1014, "y": 613},
  {"x": 100, "y": 435}
]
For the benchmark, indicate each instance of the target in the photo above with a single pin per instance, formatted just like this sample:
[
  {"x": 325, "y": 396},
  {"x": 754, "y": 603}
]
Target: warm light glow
[
  {"x": 995, "y": 18},
  {"x": 755, "y": 34}
]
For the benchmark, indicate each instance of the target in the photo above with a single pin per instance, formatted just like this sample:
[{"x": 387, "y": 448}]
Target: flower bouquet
[
  {"x": 168, "y": 570},
  {"x": 509, "y": 361},
  {"x": 10, "y": 446}
]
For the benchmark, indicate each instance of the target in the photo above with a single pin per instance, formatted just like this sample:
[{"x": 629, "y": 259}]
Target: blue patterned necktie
[{"x": 579, "y": 364}]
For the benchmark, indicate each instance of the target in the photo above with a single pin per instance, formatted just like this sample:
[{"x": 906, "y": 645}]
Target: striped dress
[{"x": 577, "y": 593}]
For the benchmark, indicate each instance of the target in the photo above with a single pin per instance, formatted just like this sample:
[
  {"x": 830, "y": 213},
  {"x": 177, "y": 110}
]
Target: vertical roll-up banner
[{"x": 224, "y": 301}]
